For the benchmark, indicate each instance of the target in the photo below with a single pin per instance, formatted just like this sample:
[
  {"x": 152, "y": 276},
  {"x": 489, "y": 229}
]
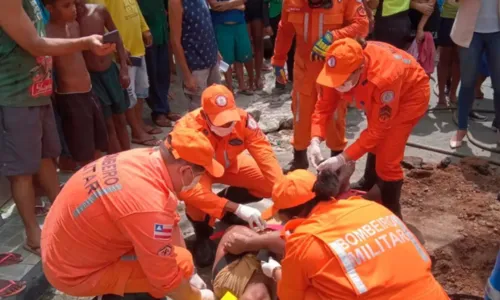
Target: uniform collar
[{"x": 159, "y": 166}]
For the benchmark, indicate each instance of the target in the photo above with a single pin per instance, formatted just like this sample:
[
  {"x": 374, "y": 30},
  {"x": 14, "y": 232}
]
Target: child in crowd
[
  {"x": 108, "y": 81},
  {"x": 82, "y": 121},
  {"x": 449, "y": 62},
  {"x": 233, "y": 41}
]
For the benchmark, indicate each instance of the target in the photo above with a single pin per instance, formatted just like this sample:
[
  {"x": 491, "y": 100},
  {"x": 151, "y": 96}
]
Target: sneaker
[{"x": 477, "y": 117}]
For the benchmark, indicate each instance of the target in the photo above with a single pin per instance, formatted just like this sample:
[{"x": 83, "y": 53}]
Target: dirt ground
[{"x": 457, "y": 210}]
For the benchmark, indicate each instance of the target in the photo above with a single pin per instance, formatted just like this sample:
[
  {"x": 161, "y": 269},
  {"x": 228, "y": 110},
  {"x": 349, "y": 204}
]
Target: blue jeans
[
  {"x": 159, "y": 79},
  {"x": 470, "y": 62}
]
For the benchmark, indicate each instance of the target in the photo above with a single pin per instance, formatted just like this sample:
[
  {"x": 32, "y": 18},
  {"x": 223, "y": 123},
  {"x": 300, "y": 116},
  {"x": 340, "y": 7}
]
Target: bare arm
[
  {"x": 426, "y": 16},
  {"x": 110, "y": 26},
  {"x": 18, "y": 26},
  {"x": 175, "y": 12}
]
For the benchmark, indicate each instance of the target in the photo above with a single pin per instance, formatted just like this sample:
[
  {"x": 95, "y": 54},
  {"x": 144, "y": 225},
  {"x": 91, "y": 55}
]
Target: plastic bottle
[{"x": 493, "y": 285}]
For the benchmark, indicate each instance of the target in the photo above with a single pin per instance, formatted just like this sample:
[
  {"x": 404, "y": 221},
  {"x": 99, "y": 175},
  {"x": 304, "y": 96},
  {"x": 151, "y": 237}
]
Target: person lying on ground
[
  {"x": 345, "y": 248},
  {"x": 108, "y": 80},
  {"x": 114, "y": 227},
  {"x": 83, "y": 124},
  {"x": 241, "y": 274},
  {"x": 237, "y": 266}
]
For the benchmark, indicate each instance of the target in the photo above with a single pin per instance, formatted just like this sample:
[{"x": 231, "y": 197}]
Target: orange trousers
[
  {"x": 303, "y": 108},
  {"x": 390, "y": 152},
  {"x": 245, "y": 174},
  {"x": 125, "y": 276}
]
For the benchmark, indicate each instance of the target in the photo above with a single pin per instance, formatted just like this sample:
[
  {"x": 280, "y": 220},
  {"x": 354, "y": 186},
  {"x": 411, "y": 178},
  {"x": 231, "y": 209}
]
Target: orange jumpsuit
[
  {"x": 394, "y": 92},
  {"x": 257, "y": 172},
  {"x": 113, "y": 230},
  {"x": 354, "y": 250},
  {"x": 346, "y": 18}
]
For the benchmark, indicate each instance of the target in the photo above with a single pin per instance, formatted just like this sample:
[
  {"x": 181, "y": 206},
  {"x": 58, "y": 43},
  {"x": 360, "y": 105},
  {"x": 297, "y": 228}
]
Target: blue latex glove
[
  {"x": 280, "y": 74},
  {"x": 319, "y": 50}
]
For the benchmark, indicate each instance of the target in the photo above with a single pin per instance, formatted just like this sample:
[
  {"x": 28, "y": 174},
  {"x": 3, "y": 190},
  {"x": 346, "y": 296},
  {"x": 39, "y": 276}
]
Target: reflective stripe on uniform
[
  {"x": 306, "y": 26},
  {"x": 128, "y": 258},
  {"x": 349, "y": 267},
  {"x": 297, "y": 108},
  {"x": 226, "y": 159},
  {"x": 96, "y": 195},
  {"x": 320, "y": 25},
  {"x": 412, "y": 239}
]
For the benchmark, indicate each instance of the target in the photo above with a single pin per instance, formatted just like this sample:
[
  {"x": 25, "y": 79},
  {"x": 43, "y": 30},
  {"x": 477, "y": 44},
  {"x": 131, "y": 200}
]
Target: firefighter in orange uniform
[
  {"x": 345, "y": 249},
  {"x": 231, "y": 131},
  {"x": 315, "y": 24},
  {"x": 113, "y": 229},
  {"x": 393, "y": 90}
]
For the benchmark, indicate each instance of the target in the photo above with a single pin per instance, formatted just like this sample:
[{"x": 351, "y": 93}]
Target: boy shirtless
[
  {"x": 108, "y": 81},
  {"x": 81, "y": 117}
]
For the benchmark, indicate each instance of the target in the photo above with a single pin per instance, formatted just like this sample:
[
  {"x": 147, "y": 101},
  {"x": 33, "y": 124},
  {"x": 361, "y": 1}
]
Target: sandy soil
[{"x": 457, "y": 203}]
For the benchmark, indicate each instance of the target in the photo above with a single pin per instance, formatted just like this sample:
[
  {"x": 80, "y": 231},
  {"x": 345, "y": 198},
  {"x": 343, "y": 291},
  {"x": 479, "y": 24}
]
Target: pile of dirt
[{"x": 455, "y": 206}]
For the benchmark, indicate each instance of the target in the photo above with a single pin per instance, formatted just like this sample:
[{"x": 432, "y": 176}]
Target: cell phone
[
  {"x": 111, "y": 37},
  {"x": 136, "y": 61}
]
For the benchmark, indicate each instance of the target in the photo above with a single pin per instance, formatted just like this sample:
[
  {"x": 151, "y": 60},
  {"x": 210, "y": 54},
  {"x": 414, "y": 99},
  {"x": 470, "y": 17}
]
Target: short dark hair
[
  {"x": 326, "y": 187},
  {"x": 47, "y": 2}
]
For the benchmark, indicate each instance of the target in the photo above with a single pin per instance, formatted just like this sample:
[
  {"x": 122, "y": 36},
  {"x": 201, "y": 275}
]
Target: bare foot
[
  {"x": 442, "y": 101},
  {"x": 453, "y": 99}
]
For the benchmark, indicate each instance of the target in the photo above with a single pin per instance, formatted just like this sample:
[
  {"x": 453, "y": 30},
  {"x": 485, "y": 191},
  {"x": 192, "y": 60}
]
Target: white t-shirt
[{"x": 487, "y": 19}]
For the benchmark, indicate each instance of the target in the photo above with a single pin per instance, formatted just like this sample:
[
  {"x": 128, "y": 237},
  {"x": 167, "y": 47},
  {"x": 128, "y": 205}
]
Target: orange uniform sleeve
[
  {"x": 163, "y": 263},
  {"x": 385, "y": 106},
  {"x": 328, "y": 101},
  {"x": 284, "y": 38},
  {"x": 203, "y": 198},
  {"x": 305, "y": 256},
  {"x": 257, "y": 144},
  {"x": 357, "y": 20}
]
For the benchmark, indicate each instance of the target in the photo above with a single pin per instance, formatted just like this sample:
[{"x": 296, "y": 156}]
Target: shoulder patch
[
  {"x": 162, "y": 231},
  {"x": 387, "y": 97},
  {"x": 385, "y": 113},
  {"x": 165, "y": 251},
  {"x": 251, "y": 123}
]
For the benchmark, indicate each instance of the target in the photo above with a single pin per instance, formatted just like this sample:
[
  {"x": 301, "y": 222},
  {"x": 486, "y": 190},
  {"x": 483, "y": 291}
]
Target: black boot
[
  {"x": 236, "y": 195},
  {"x": 204, "y": 248},
  {"x": 335, "y": 153},
  {"x": 391, "y": 194},
  {"x": 108, "y": 297},
  {"x": 299, "y": 161},
  {"x": 366, "y": 182}
]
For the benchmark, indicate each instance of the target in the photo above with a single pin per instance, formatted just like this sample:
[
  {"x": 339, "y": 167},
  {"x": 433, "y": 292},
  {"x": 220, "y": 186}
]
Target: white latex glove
[
  {"x": 269, "y": 267},
  {"x": 251, "y": 215},
  {"x": 333, "y": 163},
  {"x": 197, "y": 282},
  {"x": 314, "y": 154},
  {"x": 207, "y": 294}
]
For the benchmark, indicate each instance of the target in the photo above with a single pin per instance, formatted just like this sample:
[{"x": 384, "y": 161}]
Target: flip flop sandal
[
  {"x": 162, "y": 122},
  {"x": 155, "y": 130},
  {"x": 9, "y": 258},
  {"x": 246, "y": 92},
  {"x": 42, "y": 210},
  {"x": 150, "y": 143},
  {"x": 173, "y": 116},
  {"x": 34, "y": 250},
  {"x": 11, "y": 288}
]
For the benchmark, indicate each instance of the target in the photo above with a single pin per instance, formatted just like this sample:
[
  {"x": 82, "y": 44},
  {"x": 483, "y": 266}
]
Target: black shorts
[
  {"x": 394, "y": 30},
  {"x": 254, "y": 10},
  {"x": 444, "y": 39},
  {"x": 83, "y": 124}
]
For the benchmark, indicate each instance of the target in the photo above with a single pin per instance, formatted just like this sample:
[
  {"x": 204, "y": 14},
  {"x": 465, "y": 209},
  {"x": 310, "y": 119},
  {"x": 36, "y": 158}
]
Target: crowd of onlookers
[{"x": 98, "y": 92}]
